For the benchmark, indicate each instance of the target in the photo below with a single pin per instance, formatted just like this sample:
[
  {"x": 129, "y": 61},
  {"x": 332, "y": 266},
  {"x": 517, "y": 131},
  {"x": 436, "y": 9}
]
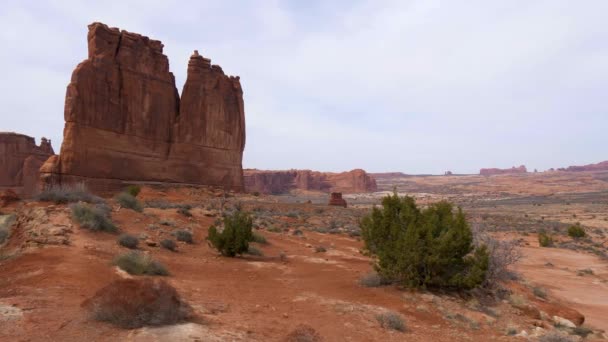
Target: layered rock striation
[
  {"x": 277, "y": 182},
  {"x": 21, "y": 159},
  {"x": 125, "y": 122}
]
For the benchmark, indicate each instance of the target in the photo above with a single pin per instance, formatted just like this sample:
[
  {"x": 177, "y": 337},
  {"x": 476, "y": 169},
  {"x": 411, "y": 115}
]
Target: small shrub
[
  {"x": 576, "y": 231},
  {"x": 168, "y": 223},
  {"x": 235, "y": 237},
  {"x": 391, "y": 320},
  {"x": 274, "y": 229},
  {"x": 298, "y": 232},
  {"x": 93, "y": 217},
  {"x": 134, "y": 303},
  {"x": 582, "y": 331},
  {"x": 259, "y": 238},
  {"x": 555, "y": 336},
  {"x": 372, "y": 279},
  {"x": 133, "y": 190},
  {"x": 586, "y": 271},
  {"x": 129, "y": 241},
  {"x": 136, "y": 263},
  {"x": 70, "y": 193},
  {"x": 184, "y": 236},
  {"x": 511, "y": 331},
  {"x": 184, "y": 211},
  {"x": 303, "y": 333},
  {"x": 539, "y": 292},
  {"x": 320, "y": 249},
  {"x": 545, "y": 240},
  {"x": 254, "y": 251},
  {"x": 5, "y": 224},
  {"x": 168, "y": 244},
  {"x": 128, "y": 201},
  {"x": 256, "y": 193},
  {"x": 292, "y": 214}
]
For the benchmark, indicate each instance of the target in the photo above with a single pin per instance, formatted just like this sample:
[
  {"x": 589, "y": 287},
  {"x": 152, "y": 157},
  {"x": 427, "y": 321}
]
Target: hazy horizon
[{"x": 419, "y": 87}]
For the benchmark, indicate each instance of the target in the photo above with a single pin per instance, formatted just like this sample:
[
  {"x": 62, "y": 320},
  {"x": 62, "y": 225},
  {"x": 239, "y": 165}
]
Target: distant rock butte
[
  {"x": 337, "y": 200},
  {"x": 277, "y": 182},
  {"x": 603, "y": 166},
  {"x": 491, "y": 172},
  {"x": 21, "y": 159},
  {"x": 124, "y": 120}
]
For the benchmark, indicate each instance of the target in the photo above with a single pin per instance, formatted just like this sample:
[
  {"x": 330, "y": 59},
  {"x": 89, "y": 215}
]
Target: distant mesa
[
  {"x": 21, "y": 159},
  {"x": 388, "y": 175},
  {"x": 125, "y": 121},
  {"x": 278, "y": 182},
  {"x": 602, "y": 166},
  {"x": 494, "y": 171},
  {"x": 337, "y": 200}
]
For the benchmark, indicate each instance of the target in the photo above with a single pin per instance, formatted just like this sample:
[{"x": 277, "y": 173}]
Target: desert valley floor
[{"x": 308, "y": 272}]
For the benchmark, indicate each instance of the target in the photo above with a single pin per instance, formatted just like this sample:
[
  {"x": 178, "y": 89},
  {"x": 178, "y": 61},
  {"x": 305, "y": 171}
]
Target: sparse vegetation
[
  {"x": 372, "y": 279},
  {"x": 168, "y": 244},
  {"x": 555, "y": 336},
  {"x": 235, "y": 236},
  {"x": 320, "y": 249},
  {"x": 584, "y": 272},
  {"x": 69, "y": 193},
  {"x": 502, "y": 254},
  {"x": 128, "y": 201},
  {"x": 184, "y": 211},
  {"x": 184, "y": 236},
  {"x": 137, "y": 263},
  {"x": 582, "y": 331},
  {"x": 545, "y": 240},
  {"x": 94, "y": 217},
  {"x": 127, "y": 303},
  {"x": 133, "y": 190},
  {"x": 424, "y": 248},
  {"x": 254, "y": 251},
  {"x": 539, "y": 292},
  {"x": 259, "y": 238},
  {"x": 303, "y": 333},
  {"x": 128, "y": 240},
  {"x": 576, "y": 231},
  {"x": 5, "y": 224},
  {"x": 391, "y": 320}
]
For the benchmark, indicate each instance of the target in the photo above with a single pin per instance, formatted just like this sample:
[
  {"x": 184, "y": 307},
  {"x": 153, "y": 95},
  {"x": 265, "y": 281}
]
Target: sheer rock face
[
  {"x": 276, "y": 182},
  {"x": 337, "y": 200},
  {"x": 123, "y": 119},
  {"x": 494, "y": 171},
  {"x": 21, "y": 158}
]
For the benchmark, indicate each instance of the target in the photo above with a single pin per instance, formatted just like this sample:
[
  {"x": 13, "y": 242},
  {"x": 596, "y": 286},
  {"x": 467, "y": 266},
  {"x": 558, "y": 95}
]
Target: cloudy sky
[{"x": 413, "y": 86}]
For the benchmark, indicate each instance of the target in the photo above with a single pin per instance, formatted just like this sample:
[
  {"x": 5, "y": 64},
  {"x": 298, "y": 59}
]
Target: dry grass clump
[
  {"x": 137, "y": 263},
  {"x": 391, "y": 320},
  {"x": 68, "y": 193},
  {"x": 133, "y": 303},
  {"x": 303, "y": 333},
  {"x": 93, "y": 217}
]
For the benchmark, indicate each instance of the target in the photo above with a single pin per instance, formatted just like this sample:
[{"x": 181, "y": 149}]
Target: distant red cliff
[
  {"x": 603, "y": 166},
  {"x": 277, "y": 182}
]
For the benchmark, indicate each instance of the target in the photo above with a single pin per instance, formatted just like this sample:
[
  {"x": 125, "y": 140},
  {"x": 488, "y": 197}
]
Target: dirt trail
[{"x": 586, "y": 293}]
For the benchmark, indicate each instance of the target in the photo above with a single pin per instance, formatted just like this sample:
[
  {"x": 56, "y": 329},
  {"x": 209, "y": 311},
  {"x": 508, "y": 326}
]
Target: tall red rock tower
[{"x": 124, "y": 122}]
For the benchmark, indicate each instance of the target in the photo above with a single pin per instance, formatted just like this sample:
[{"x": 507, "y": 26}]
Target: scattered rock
[{"x": 563, "y": 322}]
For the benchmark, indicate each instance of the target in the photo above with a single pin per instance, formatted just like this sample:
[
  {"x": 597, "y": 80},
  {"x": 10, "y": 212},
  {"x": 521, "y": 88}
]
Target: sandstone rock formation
[
  {"x": 494, "y": 171},
  {"x": 277, "y": 182},
  {"x": 21, "y": 158},
  {"x": 337, "y": 200},
  {"x": 125, "y": 123},
  {"x": 603, "y": 166}
]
